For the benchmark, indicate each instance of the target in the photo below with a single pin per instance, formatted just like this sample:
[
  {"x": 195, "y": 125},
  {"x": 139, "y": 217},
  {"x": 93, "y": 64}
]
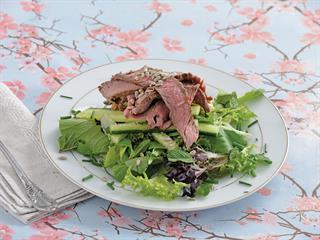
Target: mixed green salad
[{"x": 156, "y": 162}]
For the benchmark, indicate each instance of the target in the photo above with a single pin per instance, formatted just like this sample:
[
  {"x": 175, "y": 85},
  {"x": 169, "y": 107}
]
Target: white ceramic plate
[{"x": 83, "y": 90}]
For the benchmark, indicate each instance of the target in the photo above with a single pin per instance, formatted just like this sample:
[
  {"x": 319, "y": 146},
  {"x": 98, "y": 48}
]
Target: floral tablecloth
[{"x": 271, "y": 44}]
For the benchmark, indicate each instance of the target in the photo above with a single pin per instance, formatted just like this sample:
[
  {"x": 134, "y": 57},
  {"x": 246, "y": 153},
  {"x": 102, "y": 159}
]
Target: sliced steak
[
  {"x": 156, "y": 116},
  {"x": 191, "y": 91},
  {"x": 174, "y": 96},
  {"x": 112, "y": 89},
  {"x": 201, "y": 99},
  {"x": 143, "y": 103},
  {"x": 192, "y": 79},
  {"x": 143, "y": 77}
]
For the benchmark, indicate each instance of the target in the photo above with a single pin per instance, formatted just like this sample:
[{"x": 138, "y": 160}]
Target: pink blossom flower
[
  {"x": 6, "y": 24},
  {"x": 24, "y": 46},
  {"x": 253, "y": 34},
  {"x": 132, "y": 37},
  {"x": 29, "y": 30},
  {"x": 249, "y": 55},
  {"x": 270, "y": 219},
  {"x": 264, "y": 191},
  {"x": 306, "y": 203},
  {"x": 227, "y": 39},
  {"x": 210, "y": 8},
  {"x": 241, "y": 222},
  {"x": 252, "y": 214},
  {"x": 32, "y": 7},
  {"x": 286, "y": 167},
  {"x": 172, "y": 45},
  {"x": 121, "y": 221},
  {"x": 187, "y": 22},
  {"x": 106, "y": 30},
  {"x": 200, "y": 61},
  {"x": 5, "y": 232},
  {"x": 152, "y": 218},
  {"x": 140, "y": 52},
  {"x": 43, "y": 98},
  {"x": 174, "y": 231},
  {"x": 49, "y": 79},
  {"x": 52, "y": 235},
  {"x": 17, "y": 88},
  {"x": 159, "y": 7},
  {"x": 297, "y": 101},
  {"x": 291, "y": 66},
  {"x": 254, "y": 78},
  {"x": 2, "y": 67},
  {"x": 240, "y": 74},
  {"x": 42, "y": 53},
  {"x": 314, "y": 238}
]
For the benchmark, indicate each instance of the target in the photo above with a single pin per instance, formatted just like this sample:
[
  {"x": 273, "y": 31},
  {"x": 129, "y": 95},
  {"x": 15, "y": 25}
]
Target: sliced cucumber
[
  {"x": 195, "y": 110},
  {"x": 143, "y": 127},
  {"x": 118, "y": 116},
  {"x": 97, "y": 113},
  {"x": 165, "y": 140},
  {"x": 116, "y": 138},
  {"x": 208, "y": 129}
]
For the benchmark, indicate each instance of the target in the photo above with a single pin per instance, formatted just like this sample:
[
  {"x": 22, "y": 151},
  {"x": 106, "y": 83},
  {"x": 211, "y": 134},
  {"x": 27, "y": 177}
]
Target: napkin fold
[{"x": 19, "y": 132}]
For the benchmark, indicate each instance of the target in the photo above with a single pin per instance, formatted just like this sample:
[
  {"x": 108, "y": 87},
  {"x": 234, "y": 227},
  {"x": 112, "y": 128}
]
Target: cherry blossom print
[
  {"x": 132, "y": 37},
  {"x": 264, "y": 191},
  {"x": 6, "y": 24},
  {"x": 159, "y": 7},
  {"x": 269, "y": 218},
  {"x": 174, "y": 231},
  {"x": 250, "y": 55},
  {"x": 2, "y": 67},
  {"x": 254, "y": 34},
  {"x": 43, "y": 98},
  {"x": 5, "y": 232},
  {"x": 17, "y": 88},
  {"x": 186, "y": 22},
  {"x": 286, "y": 167},
  {"x": 52, "y": 235},
  {"x": 200, "y": 61},
  {"x": 139, "y": 53},
  {"x": 210, "y": 8},
  {"x": 290, "y": 65},
  {"x": 104, "y": 31},
  {"x": 296, "y": 101},
  {"x": 172, "y": 45},
  {"x": 306, "y": 203},
  {"x": 32, "y": 6}
]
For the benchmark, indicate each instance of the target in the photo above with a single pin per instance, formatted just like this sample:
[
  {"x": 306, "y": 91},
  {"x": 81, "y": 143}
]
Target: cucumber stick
[
  {"x": 143, "y": 127},
  {"x": 116, "y": 138},
  {"x": 165, "y": 140},
  {"x": 117, "y": 116}
]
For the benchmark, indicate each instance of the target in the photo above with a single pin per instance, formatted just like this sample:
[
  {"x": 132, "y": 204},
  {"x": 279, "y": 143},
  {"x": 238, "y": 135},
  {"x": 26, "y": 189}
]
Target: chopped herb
[
  {"x": 62, "y": 158},
  {"x": 64, "y": 96},
  {"x": 245, "y": 183},
  {"x": 75, "y": 112},
  {"x": 65, "y": 117},
  {"x": 86, "y": 160},
  {"x": 253, "y": 123},
  {"x": 87, "y": 178},
  {"x": 265, "y": 148},
  {"x": 111, "y": 185}
]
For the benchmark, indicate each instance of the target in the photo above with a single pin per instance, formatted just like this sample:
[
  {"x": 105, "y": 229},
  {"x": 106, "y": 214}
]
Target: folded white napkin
[{"x": 19, "y": 132}]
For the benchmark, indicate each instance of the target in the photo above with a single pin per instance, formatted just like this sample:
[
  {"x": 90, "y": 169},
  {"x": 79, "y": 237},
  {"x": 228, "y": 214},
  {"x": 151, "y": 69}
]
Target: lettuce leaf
[
  {"x": 82, "y": 135},
  {"x": 157, "y": 186},
  {"x": 250, "y": 96}
]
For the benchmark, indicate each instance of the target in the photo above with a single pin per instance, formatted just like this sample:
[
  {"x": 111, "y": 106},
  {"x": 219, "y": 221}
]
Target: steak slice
[
  {"x": 156, "y": 116},
  {"x": 112, "y": 89},
  {"x": 144, "y": 77},
  {"x": 143, "y": 103},
  {"x": 201, "y": 99},
  {"x": 174, "y": 96},
  {"x": 191, "y": 91}
]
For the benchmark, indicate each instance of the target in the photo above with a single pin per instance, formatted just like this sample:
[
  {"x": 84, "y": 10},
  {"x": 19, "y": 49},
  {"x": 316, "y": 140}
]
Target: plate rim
[{"x": 155, "y": 208}]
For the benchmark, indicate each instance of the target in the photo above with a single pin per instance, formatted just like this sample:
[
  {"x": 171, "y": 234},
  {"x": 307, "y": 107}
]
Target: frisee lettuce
[{"x": 157, "y": 186}]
